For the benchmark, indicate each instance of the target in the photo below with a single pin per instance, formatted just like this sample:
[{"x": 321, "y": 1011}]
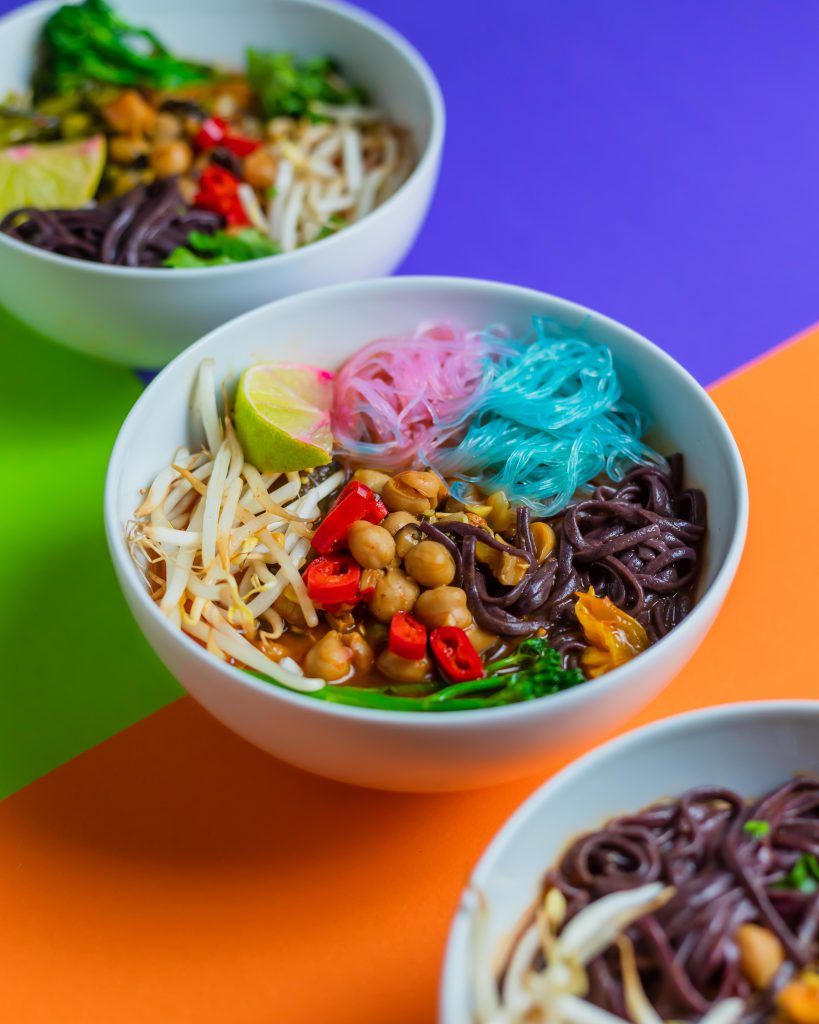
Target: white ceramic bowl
[
  {"x": 145, "y": 317},
  {"x": 749, "y": 748},
  {"x": 417, "y": 751}
]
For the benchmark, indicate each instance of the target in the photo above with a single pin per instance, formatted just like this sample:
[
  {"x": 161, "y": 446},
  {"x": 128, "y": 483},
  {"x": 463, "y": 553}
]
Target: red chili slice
[
  {"x": 456, "y": 657},
  {"x": 377, "y": 509},
  {"x": 241, "y": 145},
  {"x": 408, "y": 637},
  {"x": 333, "y": 579},
  {"x": 211, "y": 134},
  {"x": 355, "y": 502},
  {"x": 219, "y": 192}
]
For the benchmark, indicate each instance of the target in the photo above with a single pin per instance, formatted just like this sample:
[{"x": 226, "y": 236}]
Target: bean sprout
[{"x": 218, "y": 543}]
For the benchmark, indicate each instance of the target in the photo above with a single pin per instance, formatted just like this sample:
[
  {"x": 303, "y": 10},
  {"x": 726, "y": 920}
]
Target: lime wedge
[
  {"x": 282, "y": 416},
  {"x": 51, "y": 175}
]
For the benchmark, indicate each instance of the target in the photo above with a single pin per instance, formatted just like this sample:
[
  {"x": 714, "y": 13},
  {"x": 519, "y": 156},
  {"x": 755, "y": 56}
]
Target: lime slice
[
  {"x": 51, "y": 175},
  {"x": 282, "y": 416}
]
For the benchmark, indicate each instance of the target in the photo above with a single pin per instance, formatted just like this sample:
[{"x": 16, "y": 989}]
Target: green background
[{"x": 79, "y": 670}]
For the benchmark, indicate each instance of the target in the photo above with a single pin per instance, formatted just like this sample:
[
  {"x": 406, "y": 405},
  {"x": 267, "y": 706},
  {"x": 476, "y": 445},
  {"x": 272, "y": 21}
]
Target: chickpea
[
  {"x": 413, "y": 491},
  {"x": 169, "y": 158},
  {"x": 501, "y": 515},
  {"x": 260, "y": 170},
  {"x": 129, "y": 114},
  {"x": 510, "y": 569},
  {"x": 167, "y": 127},
  {"x": 341, "y": 620},
  {"x": 395, "y": 520},
  {"x": 369, "y": 578},
  {"x": 273, "y": 650},
  {"x": 761, "y": 954},
  {"x": 488, "y": 555},
  {"x": 480, "y": 639},
  {"x": 290, "y": 611},
  {"x": 125, "y": 149},
  {"x": 544, "y": 537},
  {"x": 188, "y": 189},
  {"x": 125, "y": 181},
  {"x": 430, "y": 564},
  {"x": 371, "y": 546},
  {"x": 443, "y": 606},
  {"x": 225, "y": 105},
  {"x": 394, "y": 592},
  {"x": 362, "y": 654},
  {"x": 374, "y": 479},
  {"x": 329, "y": 659},
  {"x": 406, "y": 539},
  {"x": 402, "y": 670}
]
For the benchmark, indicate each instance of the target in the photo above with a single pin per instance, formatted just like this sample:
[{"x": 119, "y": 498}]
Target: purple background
[{"x": 657, "y": 161}]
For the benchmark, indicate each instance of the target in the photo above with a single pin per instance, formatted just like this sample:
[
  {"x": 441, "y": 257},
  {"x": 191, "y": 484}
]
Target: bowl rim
[
  {"x": 425, "y": 165},
  {"x": 707, "y": 605},
  {"x": 452, "y": 970}
]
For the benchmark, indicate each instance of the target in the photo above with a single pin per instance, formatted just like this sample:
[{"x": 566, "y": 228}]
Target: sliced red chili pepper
[
  {"x": 236, "y": 215},
  {"x": 219, "y": 192},
  {"x": 212, "y": 132},
  {"x": 355, "y": 502},
  {"x": 457, "y": 658},
  {"x": 216, "y": 187},
  {"x": 408, "y": 637},
  {"x": 377, "y": 510},
  {"x": 333, "y": 579},
  {"x": 240, "y": 145}
]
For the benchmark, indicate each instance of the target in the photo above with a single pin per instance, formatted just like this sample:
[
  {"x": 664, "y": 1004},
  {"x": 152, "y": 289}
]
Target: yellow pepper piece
[
  {"x": 799, "y": 1001},
  {"x": 614, "y": 636}
]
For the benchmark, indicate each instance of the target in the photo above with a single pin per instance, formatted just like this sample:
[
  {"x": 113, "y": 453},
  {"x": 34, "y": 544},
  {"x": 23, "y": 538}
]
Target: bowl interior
[
  {"x": 720, "y": 747},
  {"x": 325, "y": 327},
  {"x": 212, "y": 30}
]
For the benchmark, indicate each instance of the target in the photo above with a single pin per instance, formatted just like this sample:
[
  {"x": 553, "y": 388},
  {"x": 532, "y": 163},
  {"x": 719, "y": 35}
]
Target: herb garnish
[
  {"x": 221, "y": 248},
  {"x": 758, "y": 829},
  {"x": 533, "y": 670},
  {"x": 287, "y": 86},
  {"x": 88, "y": 42},
  {"x": 803, "y": 876}
]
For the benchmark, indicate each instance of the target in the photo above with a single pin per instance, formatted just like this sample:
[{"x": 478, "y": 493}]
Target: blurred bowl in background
[{"x": 144, "y": 317}]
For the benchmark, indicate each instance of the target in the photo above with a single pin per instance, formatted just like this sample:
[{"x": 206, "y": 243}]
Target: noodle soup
[
  {"x": 701, "y": 907},
  {"x": 126, "y": 154},
  {"x": 457, "y": 520}
]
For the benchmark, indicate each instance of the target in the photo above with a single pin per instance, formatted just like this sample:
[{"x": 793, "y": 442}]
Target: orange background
[{"x": 175, "y": 873}]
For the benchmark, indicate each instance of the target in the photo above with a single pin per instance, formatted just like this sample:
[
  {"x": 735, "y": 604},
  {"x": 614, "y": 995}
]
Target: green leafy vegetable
[
  {"x": 803, "y": 876},
  {"x": 287, "y": 86},
  {"x": 88, "y": 42},
  {"x": 19, "y": 125},
  {"x": 758, "y": 829},
  {"x": 533, "y": 670},
  {"x": 334, "y": 223},
  {"x": 221, "y": 248}
]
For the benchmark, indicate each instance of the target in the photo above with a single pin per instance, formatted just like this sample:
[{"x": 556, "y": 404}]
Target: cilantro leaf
[
  {"x": 758, "y": 829},
  {"x": 222, "y": 248},
  {"x": 803, "y": 876},
  {"x": 287, "y": 86}
]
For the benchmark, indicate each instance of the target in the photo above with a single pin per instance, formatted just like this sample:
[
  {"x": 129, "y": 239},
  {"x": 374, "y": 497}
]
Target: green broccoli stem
[{"x": 536, "y": 671}]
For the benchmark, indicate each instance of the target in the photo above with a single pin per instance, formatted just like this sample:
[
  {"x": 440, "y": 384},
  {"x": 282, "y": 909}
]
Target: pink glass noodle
[{"x": 397, "y": 396}]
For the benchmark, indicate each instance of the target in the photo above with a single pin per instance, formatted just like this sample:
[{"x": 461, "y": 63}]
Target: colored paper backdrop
[{"x": 657, "y": 162}]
